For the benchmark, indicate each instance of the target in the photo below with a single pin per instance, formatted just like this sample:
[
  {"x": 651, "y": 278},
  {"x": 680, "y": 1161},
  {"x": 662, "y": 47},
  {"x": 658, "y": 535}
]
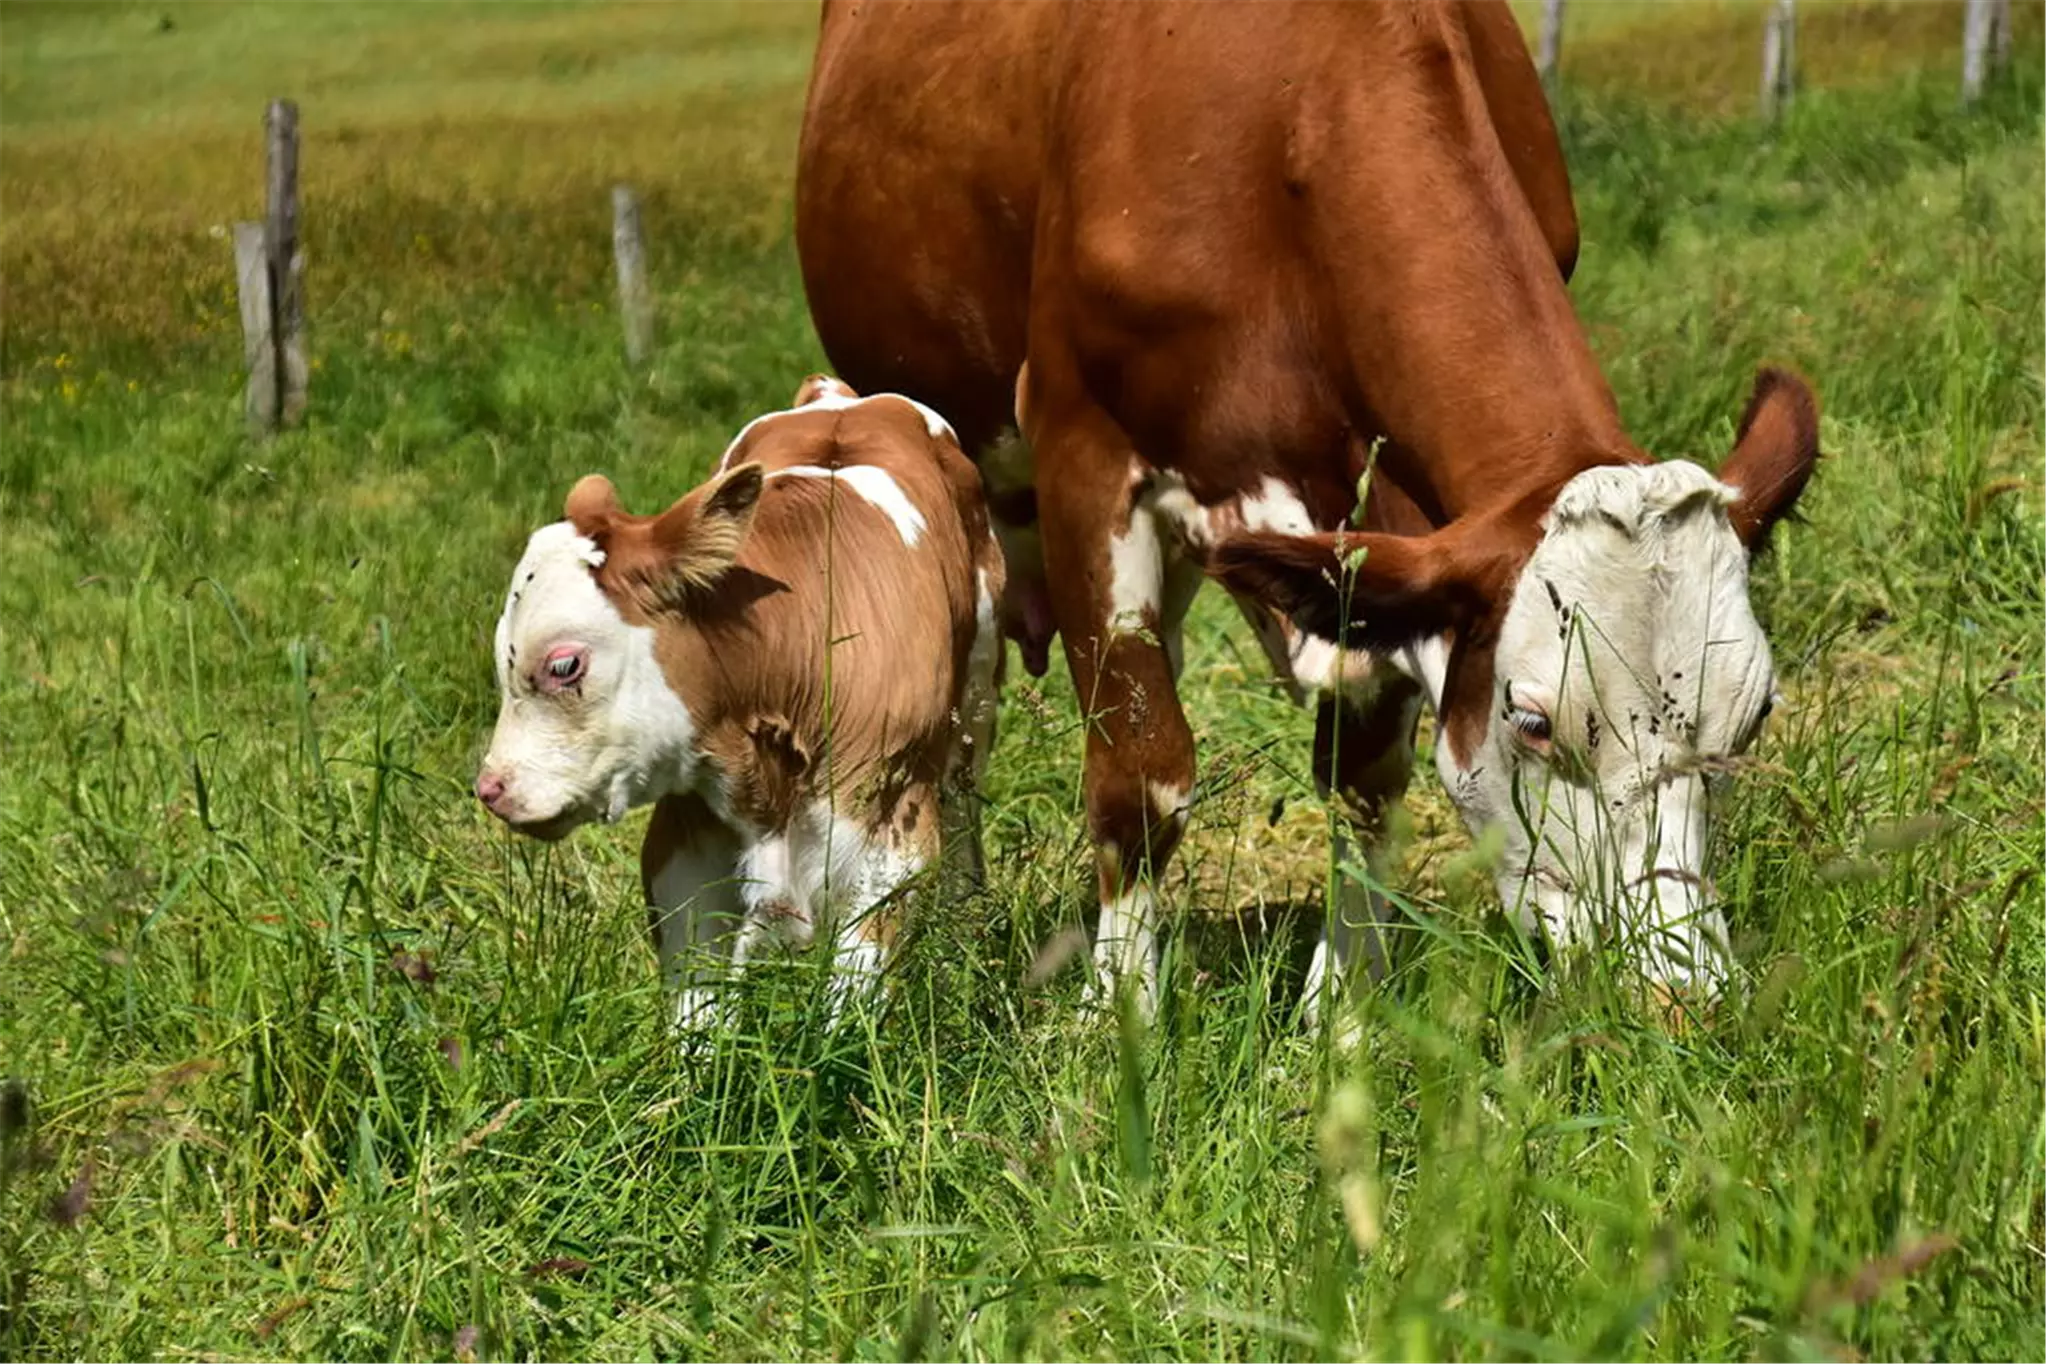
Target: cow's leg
[
  {"x": 688, "y": 865},
  {"x": 1365, "y": 713},
  {"x": 964, "y": 866},
  {"x": 1105, "y": 560},
  {"x": 1363, "y": 758}
]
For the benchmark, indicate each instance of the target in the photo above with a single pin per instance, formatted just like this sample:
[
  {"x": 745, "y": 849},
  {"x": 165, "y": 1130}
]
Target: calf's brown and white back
[{"x": 795, "y": 664}]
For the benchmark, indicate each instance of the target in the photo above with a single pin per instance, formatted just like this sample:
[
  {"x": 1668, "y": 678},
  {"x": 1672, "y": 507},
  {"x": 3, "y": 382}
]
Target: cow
[
  {"x": 795, "y": 664},
  {"x": 1188, "y": 276}
]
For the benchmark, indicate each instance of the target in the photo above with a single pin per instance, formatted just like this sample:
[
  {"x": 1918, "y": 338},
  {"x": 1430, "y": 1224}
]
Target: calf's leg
[{"x": 688, "y": 866}]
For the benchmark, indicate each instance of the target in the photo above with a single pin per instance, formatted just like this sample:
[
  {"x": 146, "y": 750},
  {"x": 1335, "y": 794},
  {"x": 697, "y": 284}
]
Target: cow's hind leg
[
  {"x": 1105, "y": 560},
  {"x": 964, "y": 866},
  {"x": 688, "y": 866}
]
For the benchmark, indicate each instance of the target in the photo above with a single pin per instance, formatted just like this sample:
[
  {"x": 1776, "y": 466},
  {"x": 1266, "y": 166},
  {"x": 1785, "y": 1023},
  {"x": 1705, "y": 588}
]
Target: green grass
[{"x": 313, "y": 1061}]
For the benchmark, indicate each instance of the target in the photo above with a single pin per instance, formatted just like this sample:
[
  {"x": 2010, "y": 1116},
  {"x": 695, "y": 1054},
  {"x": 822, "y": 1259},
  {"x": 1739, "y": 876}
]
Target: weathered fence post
[
  {"x": 634, "y": 306},
  {"x": 269, "y": 278},
  {"x": 1550, "y": 50},
  {"x": 287, "y": 266},
  {"x": 1779, "y": 58},
  {"x": 259, "y": 349},
  {"x": 1985, "y": 46}
]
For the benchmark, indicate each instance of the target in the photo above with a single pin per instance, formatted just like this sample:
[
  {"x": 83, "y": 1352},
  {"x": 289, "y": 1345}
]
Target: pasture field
[{"x": 304, "y": 1057}]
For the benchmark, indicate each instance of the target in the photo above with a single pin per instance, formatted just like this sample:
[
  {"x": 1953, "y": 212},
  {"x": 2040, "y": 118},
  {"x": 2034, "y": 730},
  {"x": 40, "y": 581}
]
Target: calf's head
[
  {"x": 1594, "y": 669},
  {"x": 588, "y": 724}
]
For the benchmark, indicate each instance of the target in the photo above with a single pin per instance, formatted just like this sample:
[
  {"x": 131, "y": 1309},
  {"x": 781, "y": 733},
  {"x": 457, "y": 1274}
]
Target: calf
[{"x": 794, "y": 664}]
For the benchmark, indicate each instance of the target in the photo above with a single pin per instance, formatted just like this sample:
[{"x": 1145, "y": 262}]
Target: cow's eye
[{"x": 1531, "y": 725}]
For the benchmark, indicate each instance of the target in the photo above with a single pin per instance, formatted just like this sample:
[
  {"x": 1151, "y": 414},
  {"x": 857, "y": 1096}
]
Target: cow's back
[{"x": 934, "y": 130}]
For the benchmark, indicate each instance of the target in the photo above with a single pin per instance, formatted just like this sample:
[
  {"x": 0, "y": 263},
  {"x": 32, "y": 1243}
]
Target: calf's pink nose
[{"x": 489, "y": 788}]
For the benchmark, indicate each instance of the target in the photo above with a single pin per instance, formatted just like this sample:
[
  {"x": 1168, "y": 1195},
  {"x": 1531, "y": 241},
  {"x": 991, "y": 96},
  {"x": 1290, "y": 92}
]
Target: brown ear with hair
[
  {"x": 1773, "y": 456},
  {"x": 699, "y": 537},
  {"x": 592, "y": 506},
  {"x": 1371, "y": 591},
  {"x": 661, "y": 560}
]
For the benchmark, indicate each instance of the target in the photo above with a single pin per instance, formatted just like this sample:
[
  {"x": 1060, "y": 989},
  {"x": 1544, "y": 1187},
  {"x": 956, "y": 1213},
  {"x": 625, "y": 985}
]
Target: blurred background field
[{"x": 308, "y": 1059}]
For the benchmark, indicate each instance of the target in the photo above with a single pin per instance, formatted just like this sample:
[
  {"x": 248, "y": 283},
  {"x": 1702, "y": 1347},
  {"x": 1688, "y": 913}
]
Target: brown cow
[
  {"x": 1229, "y": 258},
  {"x": 796, "y": 663}
]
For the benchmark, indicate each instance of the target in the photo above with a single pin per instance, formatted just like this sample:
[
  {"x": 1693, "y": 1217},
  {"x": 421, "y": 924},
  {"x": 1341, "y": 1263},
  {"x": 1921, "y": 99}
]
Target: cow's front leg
[
  {"x": 1105, "y": 560},
  {"x": 1365, "y": 713},
  {"x": 688, "y": 867},
  {"x": 1363, "y": 757}
]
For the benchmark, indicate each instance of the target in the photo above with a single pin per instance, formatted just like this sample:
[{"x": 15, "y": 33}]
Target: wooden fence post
[
  {"x": 259, "y": 350},
  {"x": 287, "y": 266},
  {"x": 1779, "y": 58},
  {"x": 1977, "y": 36},
  {"x": 269, "y": 278},
  {"x": 634, "y": 306},
  {"x": 1550, "y": 51}
]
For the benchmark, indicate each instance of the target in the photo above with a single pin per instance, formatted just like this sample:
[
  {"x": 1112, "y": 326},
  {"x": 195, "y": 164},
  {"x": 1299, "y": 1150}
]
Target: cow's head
[
  {"x": 588, "y": 724},
  {"x": 1593, "y": 668}
]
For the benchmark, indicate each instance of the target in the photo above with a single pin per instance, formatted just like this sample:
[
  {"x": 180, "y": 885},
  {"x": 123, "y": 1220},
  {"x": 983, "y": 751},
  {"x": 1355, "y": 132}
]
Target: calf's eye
[{"x": 562, "y": 668}]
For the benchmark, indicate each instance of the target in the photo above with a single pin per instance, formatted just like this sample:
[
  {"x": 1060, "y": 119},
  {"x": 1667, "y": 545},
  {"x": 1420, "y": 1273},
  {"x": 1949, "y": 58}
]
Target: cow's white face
[
  {"x": 587, "y": 725},
  {"x": 1628, "y": 669}
]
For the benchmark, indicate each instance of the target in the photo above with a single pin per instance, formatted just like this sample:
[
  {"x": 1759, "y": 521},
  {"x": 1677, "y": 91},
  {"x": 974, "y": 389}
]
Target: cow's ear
[
  {"x": 698, "y": 539},
  {"x": 1773, "y": 456},
  {"x": 1370, "y": 591}
]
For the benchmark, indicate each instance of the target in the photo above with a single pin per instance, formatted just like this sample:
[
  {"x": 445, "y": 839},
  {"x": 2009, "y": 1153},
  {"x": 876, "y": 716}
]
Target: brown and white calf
[
  {"x": 1216, "y": 262},
  {"x": 795, "y": 664}
]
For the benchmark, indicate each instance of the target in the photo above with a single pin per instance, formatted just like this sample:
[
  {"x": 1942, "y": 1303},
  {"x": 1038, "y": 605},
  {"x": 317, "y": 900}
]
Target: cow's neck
[{"x": 1464, "y": 349}]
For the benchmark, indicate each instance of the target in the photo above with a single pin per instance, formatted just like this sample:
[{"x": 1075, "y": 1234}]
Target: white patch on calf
[
  {"x": 619, "y": 737},
  {"x": 877, "y": 486},
  {"x": 823, "y": 873}
]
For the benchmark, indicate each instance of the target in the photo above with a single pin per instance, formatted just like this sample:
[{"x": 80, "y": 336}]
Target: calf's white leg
[{"x": 688, "y": 871}]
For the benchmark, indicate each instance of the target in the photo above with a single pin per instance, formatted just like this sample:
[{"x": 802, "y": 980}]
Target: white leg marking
[
  {"x": 1136, "y": 578},
  {"x": 864, "y": 873},
  {"x": 1126, "y": 948}
]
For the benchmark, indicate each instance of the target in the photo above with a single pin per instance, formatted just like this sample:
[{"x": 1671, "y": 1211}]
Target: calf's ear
[
  {"x": 1773, "y": 456},
  {"x": 592, "y": 506},
  {"x": 697, "y": 540},
  {"x": 1371, "y": 591}
]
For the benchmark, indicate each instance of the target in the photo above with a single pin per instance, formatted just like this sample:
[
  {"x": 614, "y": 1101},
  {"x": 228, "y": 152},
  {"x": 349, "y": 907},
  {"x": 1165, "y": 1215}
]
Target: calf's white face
[
  {"x": 1629, "y": 669},
  {"x": 587, "y": 726}
]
